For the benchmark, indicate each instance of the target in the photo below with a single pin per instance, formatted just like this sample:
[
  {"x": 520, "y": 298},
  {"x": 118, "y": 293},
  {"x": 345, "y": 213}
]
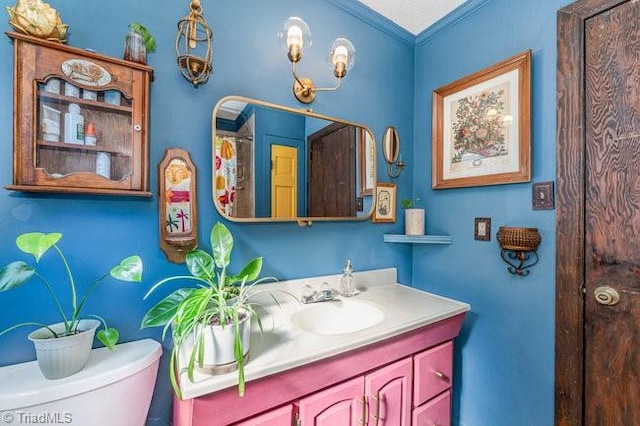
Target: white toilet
[{"x": 114, "y": 388}]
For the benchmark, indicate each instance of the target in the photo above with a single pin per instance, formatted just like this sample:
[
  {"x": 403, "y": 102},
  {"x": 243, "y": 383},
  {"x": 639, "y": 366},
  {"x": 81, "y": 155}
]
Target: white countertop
[{"x": 283, "y": 346}]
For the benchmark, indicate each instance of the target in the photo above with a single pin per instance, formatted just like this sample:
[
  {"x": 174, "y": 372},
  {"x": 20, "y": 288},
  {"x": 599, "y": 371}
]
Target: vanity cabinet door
[
  {"x": 282, "y": 416},
  {"x": 343, "y": 405},
  {"x": 433, "y": 372},
  {"x": 389, "y": 392}
]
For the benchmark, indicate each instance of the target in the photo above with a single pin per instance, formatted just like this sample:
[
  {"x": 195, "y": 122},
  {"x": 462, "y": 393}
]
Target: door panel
[
  {"x": 389, "y": 391},
  {"x": 338, "y": 405},
  {"x": 284, "y": 176},
  {"x": 332, "y": 175},
  {"x": 612, "y": 216}
]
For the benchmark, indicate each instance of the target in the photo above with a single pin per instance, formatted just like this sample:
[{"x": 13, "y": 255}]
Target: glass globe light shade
[
  {"x": 342, "y": 56},
  {"x": 295, "y": 37}
]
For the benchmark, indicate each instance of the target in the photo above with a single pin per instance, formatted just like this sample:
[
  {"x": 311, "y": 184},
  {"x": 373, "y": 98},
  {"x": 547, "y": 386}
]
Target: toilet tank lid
[{"x": 23, "y": 385}]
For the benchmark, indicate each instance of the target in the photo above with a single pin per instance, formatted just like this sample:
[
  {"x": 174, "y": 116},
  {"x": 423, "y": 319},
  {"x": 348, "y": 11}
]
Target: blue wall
[
  {"x": 248, "y": 61},
  {"x": 505, "y": 355}
]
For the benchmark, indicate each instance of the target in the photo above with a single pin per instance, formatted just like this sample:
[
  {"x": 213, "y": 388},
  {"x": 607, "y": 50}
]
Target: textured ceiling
[{"x": 413, "y": 15}]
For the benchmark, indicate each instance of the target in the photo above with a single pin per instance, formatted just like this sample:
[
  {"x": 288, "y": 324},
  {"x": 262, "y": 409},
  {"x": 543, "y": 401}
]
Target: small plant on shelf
[{"x": 410, "y": 203}]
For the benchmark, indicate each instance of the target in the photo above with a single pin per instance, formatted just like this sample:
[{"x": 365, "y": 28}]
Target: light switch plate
[
  {"x": 542, "y": 196},
  {"x": 482, "y": 229}
]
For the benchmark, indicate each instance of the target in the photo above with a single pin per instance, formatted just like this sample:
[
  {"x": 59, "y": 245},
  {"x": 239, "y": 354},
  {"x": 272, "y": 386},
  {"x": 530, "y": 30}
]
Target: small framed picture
[
  {"x": 482, "y": 229},
  {"x": 385, "y": 210}
]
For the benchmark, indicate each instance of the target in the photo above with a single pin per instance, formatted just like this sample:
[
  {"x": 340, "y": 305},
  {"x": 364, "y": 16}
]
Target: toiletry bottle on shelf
[
  {"x": 347, "y": 283},
  {"x": 74, "y": 125},
  {"x": 90, "y": 135}
]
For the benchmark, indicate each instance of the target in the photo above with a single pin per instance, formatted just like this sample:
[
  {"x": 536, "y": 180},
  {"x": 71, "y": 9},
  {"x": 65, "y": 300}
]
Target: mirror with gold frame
[{"x": 276, "y": 163}]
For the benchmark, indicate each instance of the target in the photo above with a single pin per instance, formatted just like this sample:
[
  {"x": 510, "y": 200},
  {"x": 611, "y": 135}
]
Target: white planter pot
[
  {"x": 414, "y": 221},
  {"x": 218, "y": 346},
  {"x": 63, "y": 356}
]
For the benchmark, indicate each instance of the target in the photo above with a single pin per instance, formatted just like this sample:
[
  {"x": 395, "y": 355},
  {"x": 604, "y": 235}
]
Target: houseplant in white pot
[
  {"x": 209, "y": 321},
  {"x": 62, "y": 349},
  {"x": 414, "y": 216}
]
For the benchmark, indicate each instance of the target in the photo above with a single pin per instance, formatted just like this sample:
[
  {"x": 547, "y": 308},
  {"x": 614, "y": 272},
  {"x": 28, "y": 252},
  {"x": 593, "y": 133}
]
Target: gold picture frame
[
  {"x": 481, "y": 127},
  {"x": 386, "y": 196}
]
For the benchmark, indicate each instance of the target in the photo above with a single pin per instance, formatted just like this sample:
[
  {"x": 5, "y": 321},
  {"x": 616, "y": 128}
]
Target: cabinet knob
[
  {"x": 606, "y": 295},
  {"x": 137, "y": 127}
]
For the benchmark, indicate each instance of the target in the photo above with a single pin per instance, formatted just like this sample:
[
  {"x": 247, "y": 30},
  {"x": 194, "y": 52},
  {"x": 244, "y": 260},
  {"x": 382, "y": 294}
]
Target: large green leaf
[
  {"x": 165, "y": 310},
  {"x": 15, "y": 274},
  {"x": 221, "y": 245},
  {"x": 129, "y": 269},
  {"x": 200, "y": 264},
  {"x": 251, "y": 271},
  {"x": 37, "y": 243},
  {"x": 108, "y": 336}
]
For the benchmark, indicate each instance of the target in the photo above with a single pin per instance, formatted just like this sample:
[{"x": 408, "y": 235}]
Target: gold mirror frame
[{"x": 370, "y": 165}]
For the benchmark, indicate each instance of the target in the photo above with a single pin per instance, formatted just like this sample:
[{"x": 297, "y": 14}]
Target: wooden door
[
  {"x": 284, "y": 177},
  {"x": 389, "y": 392},
  {"x": 598, "y": 221},
  {"x": 332, "y": 176},
  {"x": 338, "y": 405}
]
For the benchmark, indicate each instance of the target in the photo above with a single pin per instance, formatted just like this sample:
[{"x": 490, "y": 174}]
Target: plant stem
[
  {"x": 70, "y": 275},
  {"x": 67, "y": 326}
]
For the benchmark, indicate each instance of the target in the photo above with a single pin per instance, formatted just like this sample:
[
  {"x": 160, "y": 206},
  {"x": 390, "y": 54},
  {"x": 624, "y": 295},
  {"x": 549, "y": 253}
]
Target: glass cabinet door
[{"x": 83, "y": 131}]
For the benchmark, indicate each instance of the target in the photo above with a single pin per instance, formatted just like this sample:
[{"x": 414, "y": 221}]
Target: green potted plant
[
  {"x": 414, "y": 216},
  {"x": 63, "y": 349},
  {"x": 138, "y": 42},
  {"x": 211, "y": 320}
]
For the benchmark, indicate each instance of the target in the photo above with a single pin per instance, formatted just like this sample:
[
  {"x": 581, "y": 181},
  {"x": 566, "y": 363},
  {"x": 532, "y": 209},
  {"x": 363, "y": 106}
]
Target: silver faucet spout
[{"x": 310, "y": 295}]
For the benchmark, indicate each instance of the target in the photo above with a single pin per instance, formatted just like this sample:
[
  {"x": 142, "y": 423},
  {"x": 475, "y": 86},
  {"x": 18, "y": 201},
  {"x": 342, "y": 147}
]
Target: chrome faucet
[{"x": 309, "y": 295}]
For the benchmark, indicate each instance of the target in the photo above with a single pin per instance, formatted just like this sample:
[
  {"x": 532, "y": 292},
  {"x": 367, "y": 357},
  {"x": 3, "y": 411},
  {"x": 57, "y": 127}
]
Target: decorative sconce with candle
[
  {"x": 193, "y": 46},
  {"x": 391, "y": 151},
  {"x": 518, "y": 248},
  {"x": 296, "y": 37}
]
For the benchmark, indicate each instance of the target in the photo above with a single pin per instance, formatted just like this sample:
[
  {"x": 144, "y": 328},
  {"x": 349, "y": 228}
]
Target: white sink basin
[{"x": 337, "y": 317}]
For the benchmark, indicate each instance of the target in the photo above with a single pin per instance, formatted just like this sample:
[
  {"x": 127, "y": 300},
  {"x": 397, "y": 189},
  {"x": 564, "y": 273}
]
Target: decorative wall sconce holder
[
  {"x": 391, "y": 151},
  {"x": 296, "y": 37},
  {"x": 519, "y": 248},
  {"x": 193, "y": 46}
]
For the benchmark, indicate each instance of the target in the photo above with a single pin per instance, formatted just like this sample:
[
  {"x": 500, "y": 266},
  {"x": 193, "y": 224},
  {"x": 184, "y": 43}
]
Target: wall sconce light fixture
[
  {"x": 193, "y": 46},
  {"x": 518, "y": 248},
  {"x": 391, "y": 151},
  {"x": 296, "y": 36}
]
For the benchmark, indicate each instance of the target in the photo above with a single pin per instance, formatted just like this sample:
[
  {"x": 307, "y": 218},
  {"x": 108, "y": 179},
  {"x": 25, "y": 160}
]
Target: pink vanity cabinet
[{"x": 400, "y": 381}]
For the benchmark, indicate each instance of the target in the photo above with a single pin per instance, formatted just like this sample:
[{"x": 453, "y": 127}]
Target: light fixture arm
[{"x": 305, "y": 90}]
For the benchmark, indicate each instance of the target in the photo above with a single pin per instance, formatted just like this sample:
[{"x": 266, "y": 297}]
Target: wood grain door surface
[
  {"x": 612, "y": 216},
  {"x": 597, "y": 374},
  {"x": 332, "y": 175}
]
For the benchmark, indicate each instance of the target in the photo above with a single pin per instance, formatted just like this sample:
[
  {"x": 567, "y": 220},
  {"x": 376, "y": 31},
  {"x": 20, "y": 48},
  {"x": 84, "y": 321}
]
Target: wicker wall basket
[{"x": 518, "y": 239}]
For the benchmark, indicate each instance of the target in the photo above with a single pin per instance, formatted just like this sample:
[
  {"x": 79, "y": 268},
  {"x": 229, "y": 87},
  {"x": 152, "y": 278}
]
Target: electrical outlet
[
  {"x": 542, "y": 196},
  {"x": 482, "y": 229}
]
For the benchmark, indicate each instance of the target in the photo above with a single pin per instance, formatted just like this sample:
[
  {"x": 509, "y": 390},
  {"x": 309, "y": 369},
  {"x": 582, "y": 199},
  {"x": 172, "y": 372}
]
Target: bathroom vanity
[{"x": 382, "y": 357}]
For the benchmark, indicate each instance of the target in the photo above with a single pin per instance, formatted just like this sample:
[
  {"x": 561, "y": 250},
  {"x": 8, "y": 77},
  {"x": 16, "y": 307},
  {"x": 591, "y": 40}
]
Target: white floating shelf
[{"x": 417, "y": 239}]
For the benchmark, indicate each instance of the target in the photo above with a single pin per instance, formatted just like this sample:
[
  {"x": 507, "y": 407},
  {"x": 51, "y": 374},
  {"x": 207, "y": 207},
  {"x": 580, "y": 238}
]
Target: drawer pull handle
[
  {"x": 363, "y": 401},
  {"x": 440, "y": 375},
  {"x": 376, "y": 417}
]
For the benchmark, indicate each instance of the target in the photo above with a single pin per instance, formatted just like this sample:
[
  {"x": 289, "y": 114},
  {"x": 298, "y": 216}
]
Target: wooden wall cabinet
[{"x": 104, "y": 149}]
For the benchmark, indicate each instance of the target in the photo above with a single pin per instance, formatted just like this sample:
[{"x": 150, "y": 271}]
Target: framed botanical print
[
  {"x": 385, "y": 210},
  {"x": 481, "y": 130}
]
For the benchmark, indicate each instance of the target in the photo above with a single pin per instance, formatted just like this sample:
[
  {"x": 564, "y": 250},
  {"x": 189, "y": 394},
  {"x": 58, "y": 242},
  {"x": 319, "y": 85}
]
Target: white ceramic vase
[
  {"x": 414, "y": 221},
  {"x": 60, "y": 357},
  {"x": 218, "y": 345}
]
